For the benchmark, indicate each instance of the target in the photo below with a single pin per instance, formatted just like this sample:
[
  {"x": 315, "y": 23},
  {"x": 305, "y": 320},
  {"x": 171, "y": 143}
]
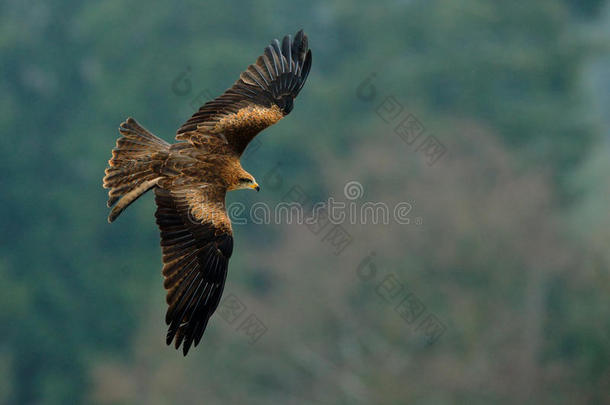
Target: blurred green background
[{"x": 506, "y": 251}]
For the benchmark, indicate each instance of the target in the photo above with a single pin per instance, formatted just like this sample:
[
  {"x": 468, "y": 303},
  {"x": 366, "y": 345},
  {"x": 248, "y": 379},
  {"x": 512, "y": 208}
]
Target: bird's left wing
[
  {"x": 263, "y": 94},
  {"x": 197, "y": 242}
]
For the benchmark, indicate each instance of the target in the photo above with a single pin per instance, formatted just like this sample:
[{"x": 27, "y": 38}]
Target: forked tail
[{"x": 132, "y": 172}]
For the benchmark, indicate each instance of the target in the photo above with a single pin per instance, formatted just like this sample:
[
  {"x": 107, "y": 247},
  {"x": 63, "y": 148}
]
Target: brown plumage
[{"x": 191, "y": 178}]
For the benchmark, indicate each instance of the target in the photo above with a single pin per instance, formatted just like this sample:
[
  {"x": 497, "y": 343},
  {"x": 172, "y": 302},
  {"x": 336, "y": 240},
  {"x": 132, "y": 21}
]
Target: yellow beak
[{"x": 256, "y": 187}]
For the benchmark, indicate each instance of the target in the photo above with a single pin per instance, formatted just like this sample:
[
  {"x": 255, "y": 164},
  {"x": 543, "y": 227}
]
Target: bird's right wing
[{"x": 197, "y": 242}]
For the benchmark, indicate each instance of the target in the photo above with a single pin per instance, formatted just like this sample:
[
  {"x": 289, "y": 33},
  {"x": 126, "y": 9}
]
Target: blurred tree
[{"x": 74, "y": 288}]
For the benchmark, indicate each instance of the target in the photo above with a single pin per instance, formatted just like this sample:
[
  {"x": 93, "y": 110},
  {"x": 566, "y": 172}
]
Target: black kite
[{"x": 191, "y": 178}]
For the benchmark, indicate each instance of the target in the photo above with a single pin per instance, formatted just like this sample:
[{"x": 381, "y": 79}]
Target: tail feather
[
  {"x": 134, "y": 132},
  {"x": 131, "y": 172},
  {"x": 130, "y": 197}
]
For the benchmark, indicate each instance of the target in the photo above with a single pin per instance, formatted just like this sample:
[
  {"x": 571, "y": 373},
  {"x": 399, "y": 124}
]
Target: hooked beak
[{"x": 256, "y": 187}]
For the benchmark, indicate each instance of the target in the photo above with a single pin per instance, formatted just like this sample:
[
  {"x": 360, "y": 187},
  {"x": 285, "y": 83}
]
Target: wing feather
[
  {"x": 197, "y": 242},
  {"x": 263, "y": 94}
]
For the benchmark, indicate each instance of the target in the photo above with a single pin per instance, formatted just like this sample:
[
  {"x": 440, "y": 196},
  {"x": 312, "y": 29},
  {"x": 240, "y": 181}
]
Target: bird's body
[{"x": 191, "y": 178}]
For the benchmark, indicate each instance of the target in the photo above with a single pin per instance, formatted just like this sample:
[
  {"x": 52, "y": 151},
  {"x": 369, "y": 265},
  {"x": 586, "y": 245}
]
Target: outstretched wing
[
  {"x": 262, "y": 95},
  {"x": 197, "y": 242}
]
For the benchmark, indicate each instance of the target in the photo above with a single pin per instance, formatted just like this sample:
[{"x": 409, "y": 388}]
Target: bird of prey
[{"x": 190, "y": 179}]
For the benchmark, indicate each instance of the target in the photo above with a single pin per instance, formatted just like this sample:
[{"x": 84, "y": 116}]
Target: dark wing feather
[
  {"x": 197, "y": 242},
  {"x": 263, "y": 94}
]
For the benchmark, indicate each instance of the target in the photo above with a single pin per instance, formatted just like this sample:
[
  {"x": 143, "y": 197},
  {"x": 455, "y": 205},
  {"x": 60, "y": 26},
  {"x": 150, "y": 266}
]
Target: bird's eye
[{"x": 244, "y": 180}]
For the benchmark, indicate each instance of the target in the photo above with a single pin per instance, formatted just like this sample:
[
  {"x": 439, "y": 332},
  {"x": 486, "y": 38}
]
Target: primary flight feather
[{"x": 191, "y": 178}]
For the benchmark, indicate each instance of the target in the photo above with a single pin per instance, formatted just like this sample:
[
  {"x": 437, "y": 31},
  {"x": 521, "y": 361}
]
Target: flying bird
[{"x": 190, "y": 180}]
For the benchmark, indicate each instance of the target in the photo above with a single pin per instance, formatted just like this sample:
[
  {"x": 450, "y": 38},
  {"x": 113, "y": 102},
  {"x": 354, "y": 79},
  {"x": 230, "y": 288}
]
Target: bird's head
[{"x": 244, "y": 181}]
